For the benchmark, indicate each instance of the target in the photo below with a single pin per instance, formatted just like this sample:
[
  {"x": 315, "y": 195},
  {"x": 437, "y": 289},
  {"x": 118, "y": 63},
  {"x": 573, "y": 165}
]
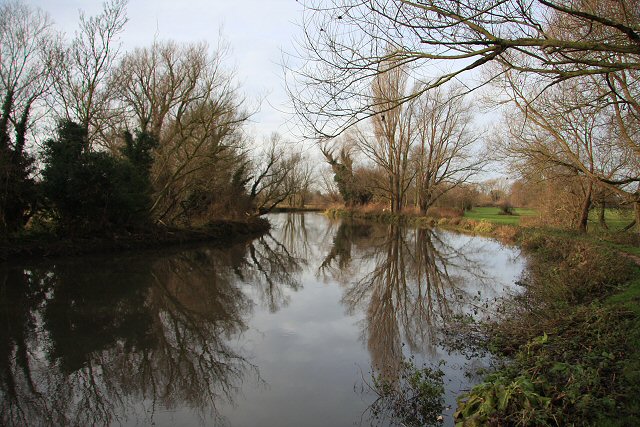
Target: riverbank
[
  {"x": 221, "y": 232},
  {"x": 570, "y": 341},
  {"x": 294, "y": 209},
  {"x": 506, "y": 233}
]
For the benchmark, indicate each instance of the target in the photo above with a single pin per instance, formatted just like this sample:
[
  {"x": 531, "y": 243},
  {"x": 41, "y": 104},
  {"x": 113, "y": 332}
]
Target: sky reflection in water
[{"x": 283, "y": 330}]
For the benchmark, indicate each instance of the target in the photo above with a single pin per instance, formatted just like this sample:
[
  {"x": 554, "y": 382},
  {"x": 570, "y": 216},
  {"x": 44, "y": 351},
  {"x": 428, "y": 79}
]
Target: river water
[{"x": 296, "y": 328}]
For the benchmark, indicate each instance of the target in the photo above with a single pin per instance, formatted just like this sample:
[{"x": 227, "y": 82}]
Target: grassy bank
[
  {"x": 494, "y": 215},
  {"x": 221, "y": 232},
  {"x": 616, "y": 219},
  {"x": 571, "y": 340},
  {"x": 505, "y": 232}
]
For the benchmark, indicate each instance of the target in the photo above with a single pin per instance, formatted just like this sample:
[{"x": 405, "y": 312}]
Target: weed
[{"x": 413, "y": 398}]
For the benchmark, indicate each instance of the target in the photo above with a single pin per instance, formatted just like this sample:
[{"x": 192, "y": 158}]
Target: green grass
[
  {"x": 616, "y": 219},
  {"x": 629, "y": 300},
  {"x": 492, "y": 214},
  {"x": 629, "y": 297}
]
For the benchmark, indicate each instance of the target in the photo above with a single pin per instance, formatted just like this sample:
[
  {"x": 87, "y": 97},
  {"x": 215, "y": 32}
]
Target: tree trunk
[
  {"x": 602, "y": 219},
  {"x": 636, "y": 208},
  {"x": 584, "y": 214},
  {"x": 425, "y": 201}
]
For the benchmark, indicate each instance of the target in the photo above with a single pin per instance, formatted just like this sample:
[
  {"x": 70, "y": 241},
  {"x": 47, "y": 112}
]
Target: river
[{"x": 296, "y": 328}]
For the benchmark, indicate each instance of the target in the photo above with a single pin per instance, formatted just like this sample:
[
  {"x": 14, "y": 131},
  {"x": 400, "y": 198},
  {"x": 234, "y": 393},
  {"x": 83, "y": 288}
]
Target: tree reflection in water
[
  {"x": 337, "y": 264},
  {"x": 272, "y": 268},
  {"x": 99, "y": 341},
  {"x": 413, "y": 283},
  {"x": 156, "y": 338}
]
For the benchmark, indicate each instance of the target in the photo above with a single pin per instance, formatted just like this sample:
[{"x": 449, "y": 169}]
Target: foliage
[
  {"x": 573, "y": 374},
  {"x": 415, "y": 398},
  {"x": 18, "y": 190},
  {"x": 92, "y": 191},
  {"x": 139, "y": 150},
  {"x": 350, "y": 187},
  {"x": 351, "y": 184}
]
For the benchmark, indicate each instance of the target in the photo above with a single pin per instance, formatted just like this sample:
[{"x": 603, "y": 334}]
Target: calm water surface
[{"x": 285, "y": 330}]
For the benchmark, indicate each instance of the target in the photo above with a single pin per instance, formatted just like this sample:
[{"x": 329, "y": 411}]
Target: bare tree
[
  {"x": 387, "y": 141},
  {"x": 82, "y": 93},
  {"x": 564, "y": 131},
  {"x": 300, "y": 180},
  {"x": 328, "y": 186},
  {"x": 393, "y": 133},
  {"x": 278, "y": 173},
  {"x": 184, "y": 97},
  {"x": 26, "y": 42},
  {"x": 444, "y": 155},
  {"x": 157, "y": 85},
  {"x": 345, "y": 42}
]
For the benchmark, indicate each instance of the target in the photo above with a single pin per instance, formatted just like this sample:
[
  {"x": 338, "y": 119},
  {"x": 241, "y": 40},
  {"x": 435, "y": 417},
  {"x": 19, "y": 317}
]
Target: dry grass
[{"x": 445, "y": 212}]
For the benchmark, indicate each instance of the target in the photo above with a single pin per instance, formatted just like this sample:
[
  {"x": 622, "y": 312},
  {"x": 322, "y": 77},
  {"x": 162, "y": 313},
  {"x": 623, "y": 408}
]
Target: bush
[
  {"x": 573, "y": 374},
  {"x": 506, "y": 208},
  {"x": 507, "y": 233},
  {"x": 483, "y": 227}
]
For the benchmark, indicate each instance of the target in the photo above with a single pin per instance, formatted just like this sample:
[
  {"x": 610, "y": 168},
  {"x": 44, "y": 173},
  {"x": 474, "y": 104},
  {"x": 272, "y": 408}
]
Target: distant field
[
  {"x": 616, "y": 219},
  {"x": 492, "y": 214}
]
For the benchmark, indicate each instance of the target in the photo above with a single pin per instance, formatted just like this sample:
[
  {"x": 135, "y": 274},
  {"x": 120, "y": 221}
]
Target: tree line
[
  {"x": 94, "y": 138},
  {"x": 560, "y": 76}
]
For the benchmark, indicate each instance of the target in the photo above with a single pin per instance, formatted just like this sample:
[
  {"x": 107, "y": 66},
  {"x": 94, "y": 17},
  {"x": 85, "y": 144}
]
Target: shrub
[
  {"x": 567, "y": 347},
  {"x": 412, "y": 398},
  {"x": 483, "y": 227},
  {"x": 506, "y": 208},
  {"x": 507, "y": 233}
]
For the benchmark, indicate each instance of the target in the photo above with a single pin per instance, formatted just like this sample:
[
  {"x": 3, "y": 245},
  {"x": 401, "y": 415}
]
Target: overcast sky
[{"x": 256, "y": 30}]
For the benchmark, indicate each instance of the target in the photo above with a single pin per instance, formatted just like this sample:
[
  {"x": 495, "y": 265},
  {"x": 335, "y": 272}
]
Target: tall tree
[
  {"x": 26, "y": 41},
  {"x": 182, "y": 95},
  {"x": 82, "y": 92},
  {"x": 445, "y": 154},
  {"x": 393, "y": 133}
]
